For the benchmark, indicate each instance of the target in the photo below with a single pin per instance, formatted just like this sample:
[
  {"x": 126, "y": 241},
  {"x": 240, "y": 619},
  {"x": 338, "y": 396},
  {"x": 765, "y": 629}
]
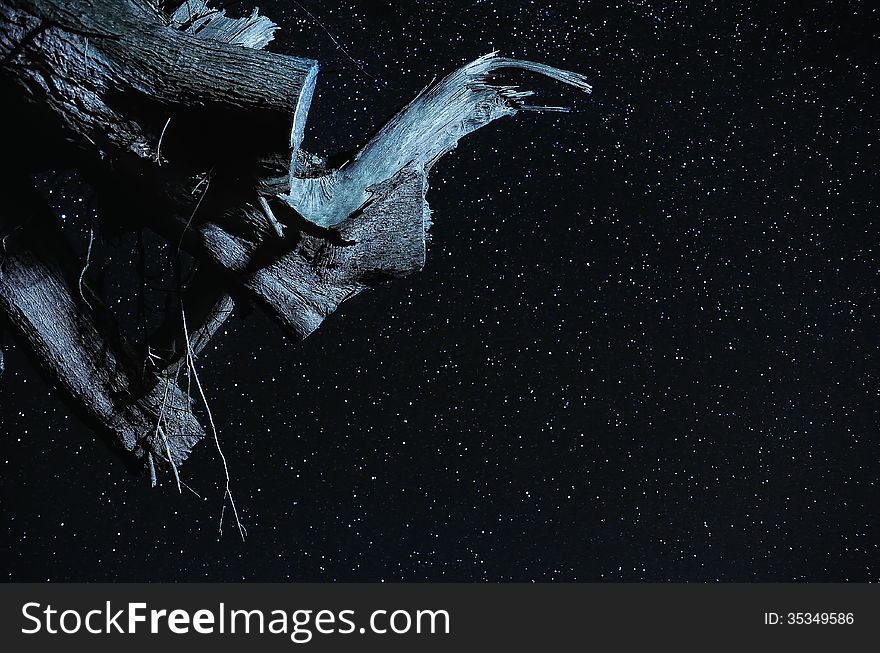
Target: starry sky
[{"x": 643, "y": 347}]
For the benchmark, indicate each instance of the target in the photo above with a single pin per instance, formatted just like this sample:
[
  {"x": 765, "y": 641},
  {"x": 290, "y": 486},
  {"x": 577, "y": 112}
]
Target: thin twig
[
  {"x": 152, "y": 467},
  {"x": 161, "y": 431},
  {"x": 339, "y": 45},
  {"x": 82, "y": 274},
  {"x": 191, "y": 490},
  {"x": 159, "y": 146},
  {"x": 170, "y": 458},
  {"x": 182, "y": 482},
  {"x": 207, "y": 182},
  {"x": 228, "y": 493},
  {"x": 273, "y": 221}
]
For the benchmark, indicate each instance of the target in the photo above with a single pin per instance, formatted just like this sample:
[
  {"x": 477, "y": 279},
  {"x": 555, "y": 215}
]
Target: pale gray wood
[{"x": 185, "y": 126}]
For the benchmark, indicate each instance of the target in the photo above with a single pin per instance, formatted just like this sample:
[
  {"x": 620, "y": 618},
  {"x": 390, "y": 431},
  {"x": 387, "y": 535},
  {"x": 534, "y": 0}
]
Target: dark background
[{"x": 643, "y": 348}]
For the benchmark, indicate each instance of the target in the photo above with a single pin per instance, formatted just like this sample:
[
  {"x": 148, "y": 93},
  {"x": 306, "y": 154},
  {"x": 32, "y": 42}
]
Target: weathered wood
[
  {"x": 302, "y": 286},
  {"x": 202, "y": 21},
  {"x": 206, "y": 305},
  {"x": 185, "y": 126},
  {"x": 112, "y": 72},
  {"x": 375, "y": 204},
  {"x": 75, "y": 341},
  {"x": 419, "y": 135}
]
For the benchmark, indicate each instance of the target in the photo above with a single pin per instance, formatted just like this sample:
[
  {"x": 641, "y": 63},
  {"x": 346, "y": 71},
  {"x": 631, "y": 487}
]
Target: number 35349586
[{"x": 809, "y": 618}]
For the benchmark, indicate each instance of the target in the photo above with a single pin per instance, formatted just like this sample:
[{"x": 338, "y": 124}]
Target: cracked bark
[{"x": 185, "y": 126}]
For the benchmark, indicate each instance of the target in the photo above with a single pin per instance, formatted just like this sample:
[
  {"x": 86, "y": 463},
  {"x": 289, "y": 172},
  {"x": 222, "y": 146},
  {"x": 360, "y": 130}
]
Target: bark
[
  {"x": 185, "y": 126},
  {"x": 112, "y": 72},
  {"x": 74, "y": 338}
]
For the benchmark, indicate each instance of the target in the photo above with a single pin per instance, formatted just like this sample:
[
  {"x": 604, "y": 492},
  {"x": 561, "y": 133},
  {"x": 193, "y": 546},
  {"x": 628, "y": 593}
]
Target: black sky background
[{"x": 643, "y": 347}]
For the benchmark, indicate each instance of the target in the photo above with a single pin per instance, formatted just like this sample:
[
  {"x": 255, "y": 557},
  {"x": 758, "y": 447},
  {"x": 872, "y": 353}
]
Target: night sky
[{"x": 644, "y": 347}]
